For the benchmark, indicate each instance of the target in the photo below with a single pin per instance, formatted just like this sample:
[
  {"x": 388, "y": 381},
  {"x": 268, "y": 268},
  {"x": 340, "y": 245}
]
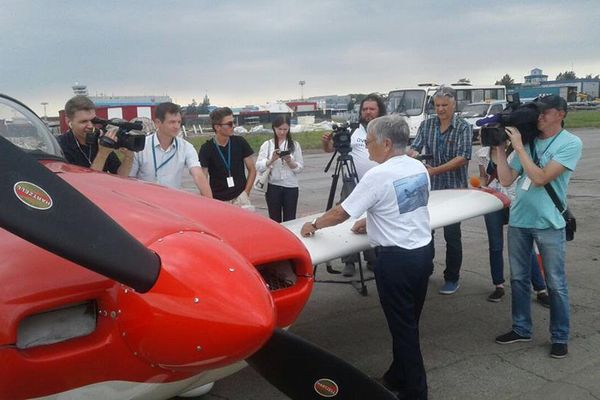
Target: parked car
[{"x": 476, "y": 111}]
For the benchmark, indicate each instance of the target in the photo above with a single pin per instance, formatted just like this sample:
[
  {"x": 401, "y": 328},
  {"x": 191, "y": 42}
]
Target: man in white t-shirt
[
  {"x": 394, "y": 194},
  {"x": 371, "y": 107},
  {"x": 165, "y": 155}
]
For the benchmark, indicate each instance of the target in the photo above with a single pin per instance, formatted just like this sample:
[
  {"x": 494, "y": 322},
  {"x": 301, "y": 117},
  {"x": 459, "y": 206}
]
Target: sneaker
[
  {"x": 449, "y": 287},
  {"x": 349, "y": 270},
  {"x": 496, "y": 295},
  {"x": 543, "y": 299},
  {"x": 512, "y": 337},
  {"x": 559, "y": 350}
]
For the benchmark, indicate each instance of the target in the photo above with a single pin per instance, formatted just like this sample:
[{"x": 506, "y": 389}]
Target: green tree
[
  {"x": 507, "y": 81},
  {"x": 565, "y": 76}
]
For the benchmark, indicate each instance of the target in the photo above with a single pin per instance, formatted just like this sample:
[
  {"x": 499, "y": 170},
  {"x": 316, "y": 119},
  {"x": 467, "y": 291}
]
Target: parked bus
[{"x": 416, "y": 104}]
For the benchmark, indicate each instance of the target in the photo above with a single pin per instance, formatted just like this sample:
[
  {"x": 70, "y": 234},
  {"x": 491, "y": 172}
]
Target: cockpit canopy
[{"x": 25, "y": 129}]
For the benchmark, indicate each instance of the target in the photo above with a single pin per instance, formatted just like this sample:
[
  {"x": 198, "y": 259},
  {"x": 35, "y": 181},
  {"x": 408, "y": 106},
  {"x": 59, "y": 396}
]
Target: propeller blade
[
  {"x": 43, "y": 209},
  {"x": 302, "y": 370}
]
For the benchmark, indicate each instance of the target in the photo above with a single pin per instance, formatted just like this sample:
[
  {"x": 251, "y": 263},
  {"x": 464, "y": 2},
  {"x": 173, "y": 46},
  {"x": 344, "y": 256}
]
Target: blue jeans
[
  {"x": 494, "y": 224},
  {"x": 551, "y": 243}
]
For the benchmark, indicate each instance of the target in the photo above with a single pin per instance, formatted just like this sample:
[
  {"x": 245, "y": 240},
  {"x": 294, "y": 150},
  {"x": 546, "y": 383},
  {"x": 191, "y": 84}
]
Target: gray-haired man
[{"x": 394, "y": 194}]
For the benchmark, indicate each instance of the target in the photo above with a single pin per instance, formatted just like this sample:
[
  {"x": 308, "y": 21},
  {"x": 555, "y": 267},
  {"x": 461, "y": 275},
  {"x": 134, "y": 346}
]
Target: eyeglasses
[
  {"x": 229, "y": 124},
  {"x": 367, "y": 141}
]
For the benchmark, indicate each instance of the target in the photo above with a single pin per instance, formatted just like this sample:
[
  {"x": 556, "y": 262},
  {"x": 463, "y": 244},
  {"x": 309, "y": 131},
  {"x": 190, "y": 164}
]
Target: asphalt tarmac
[{"x": 457, "y": 331}]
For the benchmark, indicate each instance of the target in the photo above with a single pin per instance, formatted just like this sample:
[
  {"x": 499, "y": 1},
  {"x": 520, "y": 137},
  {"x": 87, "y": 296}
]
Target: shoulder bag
[{"x": 262, "y": 180}]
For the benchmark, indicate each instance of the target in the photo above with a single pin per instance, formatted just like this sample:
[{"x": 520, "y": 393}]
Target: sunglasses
[
  {"x": 445, "y": 92},
  {"x": 229, "y": 124}
]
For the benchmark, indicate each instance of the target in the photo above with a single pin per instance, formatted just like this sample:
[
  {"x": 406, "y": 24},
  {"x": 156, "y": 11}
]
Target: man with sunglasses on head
[
  {"x": 448, "y": 139},
  {"x": 549, "y": 159},
  {"x": 166, "y": 155},
  {"x": 225, "y": 159}
]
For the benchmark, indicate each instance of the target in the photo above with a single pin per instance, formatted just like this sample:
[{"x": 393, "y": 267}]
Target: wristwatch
[{"x": 314, "y": 223}]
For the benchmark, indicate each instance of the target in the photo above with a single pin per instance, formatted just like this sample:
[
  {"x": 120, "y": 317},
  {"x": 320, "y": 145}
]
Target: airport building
[{"x": 572, "y": 90}]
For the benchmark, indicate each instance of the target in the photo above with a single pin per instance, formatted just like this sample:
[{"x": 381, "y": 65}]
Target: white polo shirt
[
  {"x": 165, "y": 167},
  {"x": 395, "y": 196}
]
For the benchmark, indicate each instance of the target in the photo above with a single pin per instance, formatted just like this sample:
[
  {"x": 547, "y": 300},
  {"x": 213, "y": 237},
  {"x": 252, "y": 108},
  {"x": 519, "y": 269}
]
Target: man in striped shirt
[{"x": 447, "y": 138}]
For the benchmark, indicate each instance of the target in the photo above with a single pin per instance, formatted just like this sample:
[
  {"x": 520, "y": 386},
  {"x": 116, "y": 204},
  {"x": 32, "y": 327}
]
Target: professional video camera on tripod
[{"x": 345, "y": 168}]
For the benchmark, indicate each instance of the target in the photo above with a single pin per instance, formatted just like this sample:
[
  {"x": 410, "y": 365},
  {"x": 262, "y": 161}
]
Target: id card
[
  {"x": 526, "y": 183},
  {"x": 230, "y": 183}
]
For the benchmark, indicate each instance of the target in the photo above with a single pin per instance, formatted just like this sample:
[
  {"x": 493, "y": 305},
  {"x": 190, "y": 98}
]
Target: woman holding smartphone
[{"x": 284, "y": 157}]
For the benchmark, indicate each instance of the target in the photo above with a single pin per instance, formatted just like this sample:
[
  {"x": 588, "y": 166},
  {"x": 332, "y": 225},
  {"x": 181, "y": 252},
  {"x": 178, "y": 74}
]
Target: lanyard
[
  {"x": 534, "y": 152},
  {"x": 156, "y": 168},
  {"x": 228, "y": 161}
]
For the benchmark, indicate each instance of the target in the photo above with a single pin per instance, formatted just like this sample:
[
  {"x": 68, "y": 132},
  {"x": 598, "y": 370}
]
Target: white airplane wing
[{"x": 445, "y": 207}]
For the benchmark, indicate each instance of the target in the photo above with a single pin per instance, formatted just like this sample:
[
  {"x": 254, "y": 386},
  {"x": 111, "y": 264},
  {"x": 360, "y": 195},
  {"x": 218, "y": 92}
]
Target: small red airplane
[{"x": 116, "y": 288}]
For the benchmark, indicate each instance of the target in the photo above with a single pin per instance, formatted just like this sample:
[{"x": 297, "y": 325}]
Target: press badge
[
  {"x": 526, "y": 183},
  {"x": 230, "y": 183}
]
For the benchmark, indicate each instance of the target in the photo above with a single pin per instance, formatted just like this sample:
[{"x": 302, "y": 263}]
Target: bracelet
[{"x": 314, "y": 223}]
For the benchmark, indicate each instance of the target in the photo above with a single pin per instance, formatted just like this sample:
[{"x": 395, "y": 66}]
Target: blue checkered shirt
[{"x": 457, "y": 141}]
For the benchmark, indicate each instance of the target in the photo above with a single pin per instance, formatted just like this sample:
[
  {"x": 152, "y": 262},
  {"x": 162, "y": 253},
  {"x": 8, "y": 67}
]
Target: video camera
[
  {"x": 522, "y": 116},
  {"x": 341, "y": 137},
  {"x": 131, "y": 141}
]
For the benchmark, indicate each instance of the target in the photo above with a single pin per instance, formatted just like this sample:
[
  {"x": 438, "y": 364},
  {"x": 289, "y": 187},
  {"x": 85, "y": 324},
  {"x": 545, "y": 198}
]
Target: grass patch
[
  {"x": 312, "y": 140},
  {"x": 583, "y": 119},
  {"x": 307, "y": 140}
]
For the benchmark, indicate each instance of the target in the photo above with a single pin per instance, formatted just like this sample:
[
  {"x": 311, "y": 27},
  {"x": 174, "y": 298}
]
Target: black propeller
[
  {"x": 304, "y": 371},
  {"x": 43, "y": 209}
]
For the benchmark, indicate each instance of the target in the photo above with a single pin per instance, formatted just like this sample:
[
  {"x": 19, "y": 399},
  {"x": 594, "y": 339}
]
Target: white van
[
  {"x": 476, "y": 111},
  {"x": 416, "y": 105}
]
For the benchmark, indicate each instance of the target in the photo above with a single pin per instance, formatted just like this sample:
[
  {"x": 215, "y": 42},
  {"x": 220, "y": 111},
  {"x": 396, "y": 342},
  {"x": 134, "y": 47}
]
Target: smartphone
[{"x": 284, "y": 153}]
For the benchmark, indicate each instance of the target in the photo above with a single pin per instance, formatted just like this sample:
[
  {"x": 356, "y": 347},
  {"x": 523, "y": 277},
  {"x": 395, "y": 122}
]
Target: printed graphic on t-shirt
[{"x": 411, "y": 193}]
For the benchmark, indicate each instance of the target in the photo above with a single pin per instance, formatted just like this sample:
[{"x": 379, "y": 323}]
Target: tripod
[{"x": 345, "y": 168}]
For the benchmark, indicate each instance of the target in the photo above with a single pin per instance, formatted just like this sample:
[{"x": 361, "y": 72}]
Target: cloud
[{"x": 243, "y": 52}]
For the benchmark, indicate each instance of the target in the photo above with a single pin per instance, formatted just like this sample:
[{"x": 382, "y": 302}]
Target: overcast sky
[{"x": 254, "y": 51}]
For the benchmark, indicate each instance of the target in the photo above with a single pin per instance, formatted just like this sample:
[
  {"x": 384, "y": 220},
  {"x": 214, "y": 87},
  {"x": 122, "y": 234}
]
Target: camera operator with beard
[
  {"x": 371, "y": 107},
  {"x": 550, "y": 159},
  {"x": 80, "y": 111}
]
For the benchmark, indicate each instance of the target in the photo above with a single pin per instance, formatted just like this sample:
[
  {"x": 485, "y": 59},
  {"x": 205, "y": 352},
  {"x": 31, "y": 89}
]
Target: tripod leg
[
  {"x": 363, "y": 288},
  {"x": 334, "y": 180}
]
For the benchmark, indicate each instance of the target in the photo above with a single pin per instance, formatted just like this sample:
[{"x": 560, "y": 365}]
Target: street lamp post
[
  {"x": 44, "y": 103},
  {"x": 302, "y": 83}
]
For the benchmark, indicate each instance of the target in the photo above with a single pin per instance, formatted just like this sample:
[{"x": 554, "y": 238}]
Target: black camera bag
[{"x": 571, "y": 222}]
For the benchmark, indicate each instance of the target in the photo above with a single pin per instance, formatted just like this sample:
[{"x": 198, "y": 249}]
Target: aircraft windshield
[
  {"x": 474, "y": 110},
  {"x": 406, "y": 102},
  {"x": 24, "y": 129}
]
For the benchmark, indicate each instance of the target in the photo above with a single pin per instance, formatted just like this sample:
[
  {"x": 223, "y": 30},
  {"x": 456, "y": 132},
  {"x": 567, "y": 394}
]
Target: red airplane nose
[{"x": 209, "y": 307}]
